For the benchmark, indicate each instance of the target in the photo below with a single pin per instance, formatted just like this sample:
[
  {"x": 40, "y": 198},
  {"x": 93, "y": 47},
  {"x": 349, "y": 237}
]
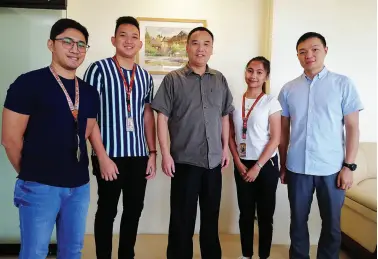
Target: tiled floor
[{"x": 154, "y": 247}]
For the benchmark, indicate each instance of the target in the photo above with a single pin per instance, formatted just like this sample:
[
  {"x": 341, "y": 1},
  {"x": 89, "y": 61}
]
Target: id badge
[
  {"x": 243, "y": 150},
  {"x": 129, "y": 124}
]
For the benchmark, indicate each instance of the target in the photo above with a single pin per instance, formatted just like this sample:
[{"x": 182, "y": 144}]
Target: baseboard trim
[
  {"x": 14, "y": 249},
  {"x": 354, "y": 249}
]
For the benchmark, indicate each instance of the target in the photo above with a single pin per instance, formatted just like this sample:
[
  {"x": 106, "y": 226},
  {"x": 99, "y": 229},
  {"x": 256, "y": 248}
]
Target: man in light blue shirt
[{"x": 317, "y": 105}]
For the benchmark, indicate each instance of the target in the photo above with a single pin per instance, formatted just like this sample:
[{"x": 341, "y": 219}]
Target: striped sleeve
[
  {"x": 93, "y": 77},
  {"x": 150, "y": 90}
]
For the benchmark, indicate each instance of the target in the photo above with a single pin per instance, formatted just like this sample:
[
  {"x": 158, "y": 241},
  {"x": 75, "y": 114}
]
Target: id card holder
[
  {"x": 243, "y": 150},
  {"x": 129, "y": 124}
]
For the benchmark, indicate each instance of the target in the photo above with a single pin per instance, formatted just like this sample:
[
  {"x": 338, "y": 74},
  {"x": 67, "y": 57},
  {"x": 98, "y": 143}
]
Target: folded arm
[{"x": 12, "y": 138}]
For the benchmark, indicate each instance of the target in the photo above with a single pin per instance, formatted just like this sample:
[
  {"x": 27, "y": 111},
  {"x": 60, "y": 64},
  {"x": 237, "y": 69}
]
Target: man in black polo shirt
[
  {"x": 48, "y": 115},
  {"x": 194, "y": 103}
]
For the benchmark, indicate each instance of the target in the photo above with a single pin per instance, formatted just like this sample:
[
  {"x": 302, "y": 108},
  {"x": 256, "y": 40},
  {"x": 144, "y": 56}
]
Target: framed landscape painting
[{"x": 164, "y": 43}]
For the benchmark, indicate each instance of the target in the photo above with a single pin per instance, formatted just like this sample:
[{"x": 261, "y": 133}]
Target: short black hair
[
  {"x": 309, "y": 35},
  {"x": 200, "y": 29},
  {"x": 126, "y": 20},
  {"x": 63, "y": 24}
]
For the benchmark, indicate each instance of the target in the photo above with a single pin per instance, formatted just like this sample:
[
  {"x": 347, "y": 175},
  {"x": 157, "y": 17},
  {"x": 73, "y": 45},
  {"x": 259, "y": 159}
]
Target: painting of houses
[
  {"x": 166, "y": 46},
  {"x": 164, "y": 43}
]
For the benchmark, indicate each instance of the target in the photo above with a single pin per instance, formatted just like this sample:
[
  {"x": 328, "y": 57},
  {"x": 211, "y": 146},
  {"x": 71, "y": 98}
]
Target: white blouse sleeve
[{"x": 275, "y": 106}]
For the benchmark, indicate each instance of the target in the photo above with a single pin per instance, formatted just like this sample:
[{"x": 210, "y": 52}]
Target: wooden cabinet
[{"x": 35, "y": 4}]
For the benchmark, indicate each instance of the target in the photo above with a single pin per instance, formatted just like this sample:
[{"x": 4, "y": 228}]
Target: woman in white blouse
[{"x": 254, "y": 138}]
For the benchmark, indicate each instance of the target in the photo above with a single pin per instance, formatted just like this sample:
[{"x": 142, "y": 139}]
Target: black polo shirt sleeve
[
  {"x": 20, "y": 96},
  {"x": 163, "y": 101}
]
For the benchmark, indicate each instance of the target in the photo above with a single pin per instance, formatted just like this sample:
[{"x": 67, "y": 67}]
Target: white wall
[
  {"x": 350, "y": 29},
  {"x": 238, "y": 28}
]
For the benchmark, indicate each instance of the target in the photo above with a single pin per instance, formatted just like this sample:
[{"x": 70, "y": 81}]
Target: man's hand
[
  {"x": 225, "y": 158},
  {"x": 252, "y": 173},
  {"x": 345, "y": 179},
  {"x": 108, "y": 169},
  {"x": 151, "y": 167},
  {"x": 241, "y": 168},
  {"x": 283, "y": 174},
  {"x": 168, "y": 165}
]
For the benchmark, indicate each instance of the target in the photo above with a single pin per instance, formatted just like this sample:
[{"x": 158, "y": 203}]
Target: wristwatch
[{"x": 352, "y": 167}]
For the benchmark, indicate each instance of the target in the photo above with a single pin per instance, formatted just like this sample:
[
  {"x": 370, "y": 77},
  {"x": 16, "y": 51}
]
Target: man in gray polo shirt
[{"x": 193, "y": 104}]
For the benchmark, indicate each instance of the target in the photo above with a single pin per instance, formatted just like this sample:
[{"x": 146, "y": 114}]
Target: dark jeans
[
  {"x": 330, "y": 200},
  {"x": 188, "y": 184},
  {"x": 131, "y": 181},
  {"x": 261, "y": 194}
]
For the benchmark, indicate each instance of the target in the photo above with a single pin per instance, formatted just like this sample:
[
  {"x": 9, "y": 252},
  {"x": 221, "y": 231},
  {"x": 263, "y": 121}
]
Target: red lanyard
[
  {"x": 74, "y": 108},
  {"x": 245, "y": 118},
  {"x": 128, "y": 87}
]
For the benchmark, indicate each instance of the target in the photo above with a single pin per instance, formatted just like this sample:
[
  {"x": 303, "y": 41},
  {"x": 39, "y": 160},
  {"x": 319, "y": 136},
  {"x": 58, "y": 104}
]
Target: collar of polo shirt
[
  {"x": 320, "y": 75},
  {"x": 189, "y": 70}
]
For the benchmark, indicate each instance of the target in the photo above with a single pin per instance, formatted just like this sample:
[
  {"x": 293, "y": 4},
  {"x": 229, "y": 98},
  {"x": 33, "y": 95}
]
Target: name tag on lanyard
[
  {"x": 129, "y": 121},
  {"x": 243, "y": 144},
  {"x": 73, "y": 107},
  {"x": 130, "y": 124}
]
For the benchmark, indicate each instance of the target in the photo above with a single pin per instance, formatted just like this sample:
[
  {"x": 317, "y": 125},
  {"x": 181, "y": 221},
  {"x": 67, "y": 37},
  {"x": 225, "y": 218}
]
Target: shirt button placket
[
  {"x": 308, "y": 126},
  {"x": 205, "y": 113}
]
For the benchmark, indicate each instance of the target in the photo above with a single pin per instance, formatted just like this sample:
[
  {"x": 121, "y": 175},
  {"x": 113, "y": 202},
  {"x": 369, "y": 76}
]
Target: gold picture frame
[{"x": 164, "y": 43}]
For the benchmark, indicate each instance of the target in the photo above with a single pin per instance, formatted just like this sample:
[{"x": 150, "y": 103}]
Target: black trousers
[
  {"x": 131, "y": 181},
  {"x": 188, "y": 184},
  {"x": 261, "y": 192}
]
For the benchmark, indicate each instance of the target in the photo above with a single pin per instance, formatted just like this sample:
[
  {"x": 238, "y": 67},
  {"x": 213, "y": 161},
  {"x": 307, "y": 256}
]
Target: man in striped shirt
[{"x": 127, "y": 128}]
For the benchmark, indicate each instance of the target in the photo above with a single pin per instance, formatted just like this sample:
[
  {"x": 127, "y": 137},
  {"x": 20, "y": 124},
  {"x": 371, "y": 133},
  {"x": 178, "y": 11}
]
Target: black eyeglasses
[{"x": 68, "y": 43}]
